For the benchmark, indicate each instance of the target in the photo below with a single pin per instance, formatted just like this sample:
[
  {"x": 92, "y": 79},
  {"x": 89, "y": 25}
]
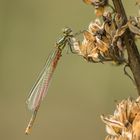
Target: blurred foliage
[{"x": 80, "y": 92}]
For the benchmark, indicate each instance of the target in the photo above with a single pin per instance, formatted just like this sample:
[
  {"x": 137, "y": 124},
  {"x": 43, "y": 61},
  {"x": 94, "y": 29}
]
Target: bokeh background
[{"x": 80, "y": 91}]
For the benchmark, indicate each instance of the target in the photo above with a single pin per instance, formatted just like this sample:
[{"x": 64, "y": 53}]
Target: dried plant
[
  {"x": 124, "y": 124},
  {"x": 103, "y": 41},
  {"x": 111, "y": 37}
]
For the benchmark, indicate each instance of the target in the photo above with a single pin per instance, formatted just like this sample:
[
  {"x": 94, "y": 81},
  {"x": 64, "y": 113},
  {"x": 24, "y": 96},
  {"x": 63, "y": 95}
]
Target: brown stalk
[{"x": 133, "y": 54}]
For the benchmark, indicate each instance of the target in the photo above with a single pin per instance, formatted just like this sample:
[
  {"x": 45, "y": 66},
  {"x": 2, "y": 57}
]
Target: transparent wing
[{"x": 40, "y": 88}]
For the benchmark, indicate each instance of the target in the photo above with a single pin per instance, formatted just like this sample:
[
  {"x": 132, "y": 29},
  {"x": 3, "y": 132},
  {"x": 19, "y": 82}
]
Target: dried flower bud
[
  {"x": 137, "y": 2},
  {"x": 119, "y": 32},
  {"x": 99, "y": 5},
  {"x": 134, "y": 25},
  {"x": 94, "y": 26},
  {"x": 88, "y": 1},
  {"x": 99, "y": 11}
]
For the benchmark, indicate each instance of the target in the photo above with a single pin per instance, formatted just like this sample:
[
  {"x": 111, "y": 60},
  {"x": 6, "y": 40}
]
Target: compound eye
[{"x": 67, "y": 30}]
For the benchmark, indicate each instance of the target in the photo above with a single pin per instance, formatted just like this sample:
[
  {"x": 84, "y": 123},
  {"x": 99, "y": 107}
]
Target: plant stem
[{"x": 133, "y": 54}]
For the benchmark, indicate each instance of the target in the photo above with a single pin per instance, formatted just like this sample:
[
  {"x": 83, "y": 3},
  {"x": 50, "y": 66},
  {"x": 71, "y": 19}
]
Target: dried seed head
[
  {"x": 125, "y": 123},
  {"x": 106, "y": 38}
]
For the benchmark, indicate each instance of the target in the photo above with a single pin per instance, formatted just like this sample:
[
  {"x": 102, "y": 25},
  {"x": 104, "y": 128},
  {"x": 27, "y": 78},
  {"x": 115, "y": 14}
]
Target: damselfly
[{"x": 40, "y": 88}]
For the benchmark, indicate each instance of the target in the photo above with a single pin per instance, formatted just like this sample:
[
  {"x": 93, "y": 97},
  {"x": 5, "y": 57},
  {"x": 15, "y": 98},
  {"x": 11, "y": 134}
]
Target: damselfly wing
[{"x": 40, "y": 88}]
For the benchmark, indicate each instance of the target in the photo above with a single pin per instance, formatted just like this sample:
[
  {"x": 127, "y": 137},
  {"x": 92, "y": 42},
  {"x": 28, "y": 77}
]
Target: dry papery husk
[{"x": 124, "y": 124}]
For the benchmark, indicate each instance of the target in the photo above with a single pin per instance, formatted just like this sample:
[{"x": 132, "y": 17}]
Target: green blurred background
[{"x": 80, "y": 91}]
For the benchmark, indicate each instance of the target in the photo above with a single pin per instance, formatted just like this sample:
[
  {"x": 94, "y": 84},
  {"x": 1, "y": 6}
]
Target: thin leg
[{"x": 70, "y": 44}]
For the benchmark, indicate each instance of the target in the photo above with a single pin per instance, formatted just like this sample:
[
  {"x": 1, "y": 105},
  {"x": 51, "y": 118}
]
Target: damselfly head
[{"x": 67, "y": 30}]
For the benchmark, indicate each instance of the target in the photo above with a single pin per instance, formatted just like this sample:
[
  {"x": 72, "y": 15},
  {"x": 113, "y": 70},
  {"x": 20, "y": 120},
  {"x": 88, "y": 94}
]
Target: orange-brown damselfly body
[{"x": 40, "y": 88}]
